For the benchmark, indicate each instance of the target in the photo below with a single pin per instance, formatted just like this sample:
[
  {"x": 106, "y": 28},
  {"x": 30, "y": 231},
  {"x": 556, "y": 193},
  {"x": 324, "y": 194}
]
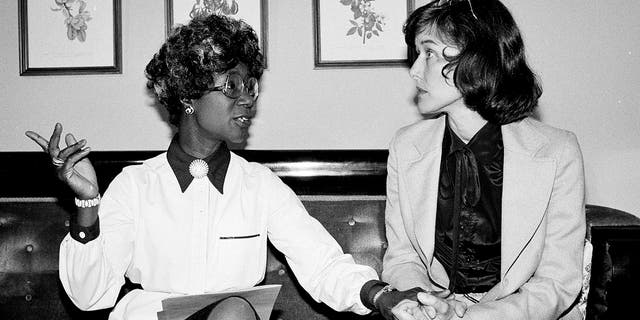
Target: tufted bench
[{"x": 344, "y": 190}]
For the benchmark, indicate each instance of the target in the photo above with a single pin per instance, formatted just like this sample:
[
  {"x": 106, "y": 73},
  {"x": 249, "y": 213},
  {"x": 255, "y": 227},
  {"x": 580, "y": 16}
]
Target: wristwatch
[{"x": 386, "y": 289}]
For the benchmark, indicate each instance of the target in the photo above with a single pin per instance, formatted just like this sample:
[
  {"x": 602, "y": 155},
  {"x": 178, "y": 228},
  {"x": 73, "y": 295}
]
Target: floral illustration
[
  {"x": 208, "y": 7},
  {"x": 76, "y": 23},
  {"x": 366, "y": 22}
]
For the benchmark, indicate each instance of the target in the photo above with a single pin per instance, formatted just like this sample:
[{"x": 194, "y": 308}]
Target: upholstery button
[
  {"x": 29, "y": 248},
  {"x": 352, "y": 222},
  {"x": 281, "y": 272},
  {"x": 82, "y": 235},
  {"x": 28, "y": 297}
]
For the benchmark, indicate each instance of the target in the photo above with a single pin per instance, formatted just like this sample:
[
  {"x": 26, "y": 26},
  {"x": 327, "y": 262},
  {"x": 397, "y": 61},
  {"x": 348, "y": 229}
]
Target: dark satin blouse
[{"x": 467, "y": 240}]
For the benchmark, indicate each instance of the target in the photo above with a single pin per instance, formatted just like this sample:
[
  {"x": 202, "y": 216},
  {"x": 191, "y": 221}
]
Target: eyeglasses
[
  {"x": 443, "y": 2},
  {"x": 235, "y": 85}
]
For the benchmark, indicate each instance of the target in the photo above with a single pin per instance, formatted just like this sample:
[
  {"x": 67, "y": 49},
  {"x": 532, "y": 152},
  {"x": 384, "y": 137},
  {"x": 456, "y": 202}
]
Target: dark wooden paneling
[{"x": 309, "y": 172}]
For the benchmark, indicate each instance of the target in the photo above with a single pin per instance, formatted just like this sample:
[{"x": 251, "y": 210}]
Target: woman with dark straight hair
[{"x": 483, "y": 201}]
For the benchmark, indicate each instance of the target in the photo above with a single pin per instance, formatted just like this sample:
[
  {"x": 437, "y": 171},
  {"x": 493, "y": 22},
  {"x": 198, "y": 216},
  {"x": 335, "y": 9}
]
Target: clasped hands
[{"x": 417, "y": 304}]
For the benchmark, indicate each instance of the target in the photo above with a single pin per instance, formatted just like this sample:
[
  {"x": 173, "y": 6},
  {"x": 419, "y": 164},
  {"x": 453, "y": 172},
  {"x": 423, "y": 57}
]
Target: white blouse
[{"x": 202, "y": 241}]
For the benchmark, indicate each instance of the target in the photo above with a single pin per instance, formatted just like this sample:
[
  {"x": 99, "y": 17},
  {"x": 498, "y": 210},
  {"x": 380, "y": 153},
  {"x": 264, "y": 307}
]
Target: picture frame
[
  {"x": 360, "y": 33},
  {"x": 253, "y": 12},
  {"x": 70, "y": 38}
]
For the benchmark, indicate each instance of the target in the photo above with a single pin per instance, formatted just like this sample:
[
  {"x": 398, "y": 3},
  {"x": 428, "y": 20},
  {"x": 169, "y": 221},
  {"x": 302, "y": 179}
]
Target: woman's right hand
[
  {"x": 72, "y": 165},
  {"x": 441, "y": 305}
]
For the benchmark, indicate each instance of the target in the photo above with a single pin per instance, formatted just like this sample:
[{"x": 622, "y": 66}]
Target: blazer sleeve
[
  {"x": 401, "y": 265},
  {"x": 558, "y": 278}
]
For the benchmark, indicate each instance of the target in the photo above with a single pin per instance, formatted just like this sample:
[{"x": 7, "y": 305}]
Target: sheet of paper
[{"x": 261, "y": 297}]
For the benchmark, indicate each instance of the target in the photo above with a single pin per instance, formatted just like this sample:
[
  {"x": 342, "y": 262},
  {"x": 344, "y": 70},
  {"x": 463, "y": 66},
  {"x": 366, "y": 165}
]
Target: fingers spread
[
  {"x": 75, "y": 157},
  {"x": 71, "y": 149},
  {"x": 42, "y": 142},
  {"x": 55, "y": 140},
  {"x": 70, "y": 139}
]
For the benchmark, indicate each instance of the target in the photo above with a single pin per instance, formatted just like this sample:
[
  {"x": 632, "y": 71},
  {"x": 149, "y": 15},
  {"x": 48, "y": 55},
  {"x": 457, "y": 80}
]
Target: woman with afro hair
[{"x": 196, "y": 218}]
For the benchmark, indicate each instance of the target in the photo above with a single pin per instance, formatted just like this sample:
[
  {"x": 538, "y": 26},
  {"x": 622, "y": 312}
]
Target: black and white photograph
[{"x": 319, "y": 159}]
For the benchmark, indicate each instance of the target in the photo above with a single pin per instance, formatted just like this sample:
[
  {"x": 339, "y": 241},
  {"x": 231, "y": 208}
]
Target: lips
[{"x": 242, "y": 121}]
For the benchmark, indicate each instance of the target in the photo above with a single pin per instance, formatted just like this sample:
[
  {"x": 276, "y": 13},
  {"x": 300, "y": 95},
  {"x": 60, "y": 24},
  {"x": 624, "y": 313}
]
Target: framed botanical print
[
  {"x": 359, "y": 33},
  {"x": 253, "y": 12},
  {"x": 63, "y": 37}
]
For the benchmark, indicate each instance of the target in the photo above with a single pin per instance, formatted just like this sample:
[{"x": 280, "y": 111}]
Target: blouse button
[
  {"x": 281, "y": 272},
  {"x": 82, "y": 235}
]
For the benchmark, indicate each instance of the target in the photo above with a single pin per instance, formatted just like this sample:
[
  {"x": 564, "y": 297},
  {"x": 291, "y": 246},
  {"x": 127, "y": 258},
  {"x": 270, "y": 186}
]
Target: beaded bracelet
[{"x": 87, "y": 203}]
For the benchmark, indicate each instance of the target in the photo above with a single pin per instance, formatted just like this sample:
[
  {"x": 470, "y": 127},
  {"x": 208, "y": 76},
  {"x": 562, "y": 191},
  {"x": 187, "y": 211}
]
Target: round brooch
[{"x": 198, "y": 168}]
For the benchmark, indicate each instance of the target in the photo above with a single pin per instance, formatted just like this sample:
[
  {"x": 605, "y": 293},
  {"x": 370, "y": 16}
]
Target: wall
[{"x": 585, "y": 51}]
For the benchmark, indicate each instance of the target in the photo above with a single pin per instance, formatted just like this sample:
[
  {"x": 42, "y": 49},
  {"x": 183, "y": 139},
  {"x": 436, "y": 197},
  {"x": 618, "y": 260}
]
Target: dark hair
[
  {"x": 188, "y": 61},
  {"x": 491, "y": 71}
]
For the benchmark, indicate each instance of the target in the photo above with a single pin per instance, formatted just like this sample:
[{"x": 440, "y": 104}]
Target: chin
[
  {"x": 237, "y": 145},
  {"x": 427, "y": 109},
  {"x": 430, "y": 107},
  {"x": 239, "y": 140}
]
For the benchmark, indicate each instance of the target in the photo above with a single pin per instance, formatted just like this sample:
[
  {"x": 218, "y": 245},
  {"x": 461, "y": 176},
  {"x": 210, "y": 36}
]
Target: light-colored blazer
[{"x": 543, "y": 219}]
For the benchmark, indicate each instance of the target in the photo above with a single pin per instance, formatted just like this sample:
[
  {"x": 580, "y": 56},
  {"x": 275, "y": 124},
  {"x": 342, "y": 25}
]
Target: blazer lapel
[
  {"x": 422, "y": 182},
  {"x": 527, "y": 184}
]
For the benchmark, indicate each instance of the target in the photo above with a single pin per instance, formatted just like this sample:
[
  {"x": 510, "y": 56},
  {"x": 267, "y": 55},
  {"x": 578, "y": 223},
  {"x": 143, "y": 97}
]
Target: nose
[
  {"x": 246, "y": 100},
  {"x": 417, "y": 70}
]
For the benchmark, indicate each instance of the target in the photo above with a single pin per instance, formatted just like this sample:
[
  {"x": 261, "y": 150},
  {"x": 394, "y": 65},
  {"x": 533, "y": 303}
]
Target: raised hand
[{"x": 72, "y": 165}]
